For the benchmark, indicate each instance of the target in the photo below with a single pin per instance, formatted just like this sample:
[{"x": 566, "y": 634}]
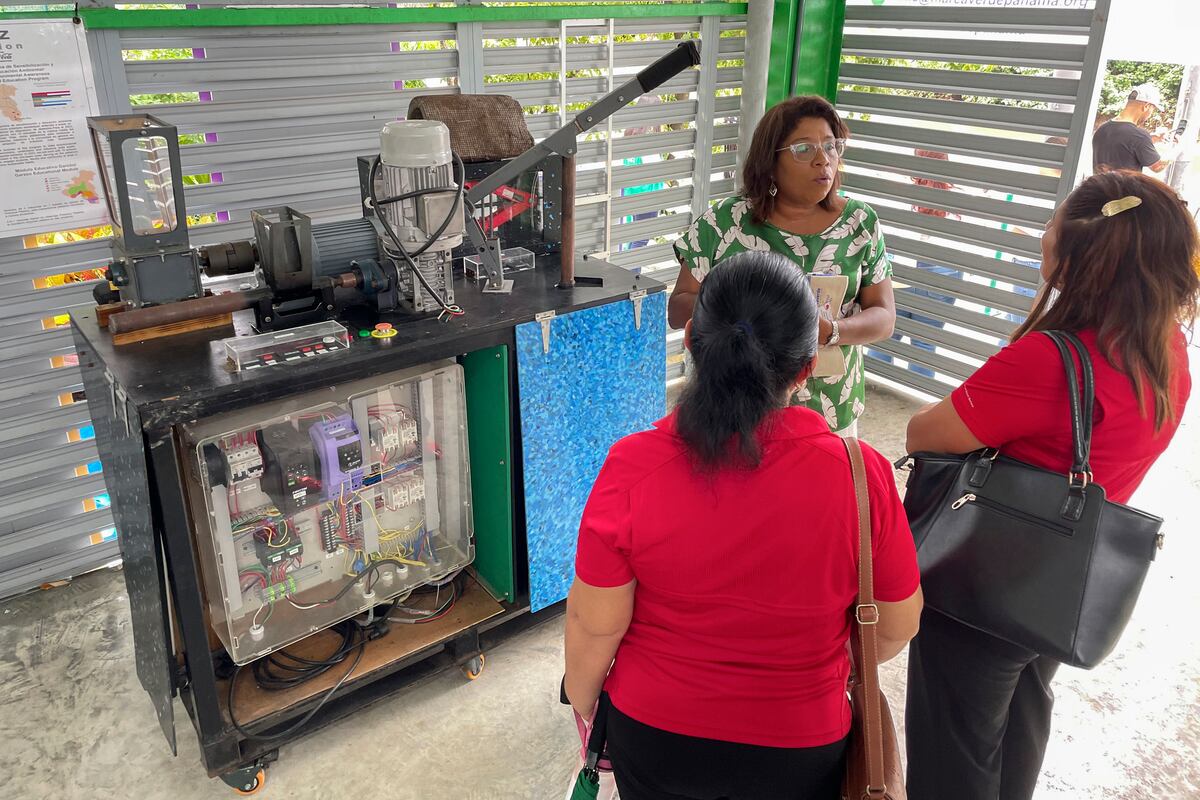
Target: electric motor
[{"x": 416, "y": 162}]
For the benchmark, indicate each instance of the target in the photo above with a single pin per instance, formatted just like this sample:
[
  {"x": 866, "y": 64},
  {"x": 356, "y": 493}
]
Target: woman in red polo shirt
[
  {"x": 717, "y": 565},
  {"x": 1120, "y": 252}
]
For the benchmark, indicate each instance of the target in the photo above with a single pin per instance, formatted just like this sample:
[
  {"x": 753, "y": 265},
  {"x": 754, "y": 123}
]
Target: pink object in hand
[{"x": 585, "y": 730}]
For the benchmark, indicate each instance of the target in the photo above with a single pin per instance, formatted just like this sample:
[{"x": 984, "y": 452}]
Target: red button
[
  {"x": 305, "y": 349},
  {"x": 383, "y": 326}
]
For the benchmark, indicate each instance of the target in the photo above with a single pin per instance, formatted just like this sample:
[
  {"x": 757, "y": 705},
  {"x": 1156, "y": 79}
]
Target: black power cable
[
  {"x": 455, "y": 208},
  {"x": 307, "y": 669},
  {"x": 305, "y": 719},
  {"x": 284, "y": 670}
]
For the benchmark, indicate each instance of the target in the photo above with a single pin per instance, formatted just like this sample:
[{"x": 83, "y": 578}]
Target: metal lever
[{"x": 562, "y": 143}]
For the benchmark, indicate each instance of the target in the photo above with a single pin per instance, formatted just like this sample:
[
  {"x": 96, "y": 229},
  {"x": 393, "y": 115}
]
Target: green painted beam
[
  {"x": 489, "y": 434},
  {"x": 819, "y": 54},
  {"x": 6, "y": 15},
  {"x": 112, "y": 18},
  {"x": 784, "y": 22},
  {"x": 806, "y": 48}
]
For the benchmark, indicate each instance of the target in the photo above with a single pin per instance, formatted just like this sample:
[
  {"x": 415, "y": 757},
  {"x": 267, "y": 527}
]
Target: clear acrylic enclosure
[
  {"x": 278, "y": 348},
  {"x": 316, "y": 508},
  {"x": 151, "y": 190}
]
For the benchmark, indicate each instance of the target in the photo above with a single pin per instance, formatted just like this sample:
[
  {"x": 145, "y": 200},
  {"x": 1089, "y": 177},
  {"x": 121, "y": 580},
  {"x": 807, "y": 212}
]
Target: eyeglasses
[{"x": 804, "y": 151}]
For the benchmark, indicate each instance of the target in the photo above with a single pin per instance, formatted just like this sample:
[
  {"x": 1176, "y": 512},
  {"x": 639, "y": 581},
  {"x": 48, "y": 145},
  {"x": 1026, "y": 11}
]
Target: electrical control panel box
[{"x": 316, "y": 508}]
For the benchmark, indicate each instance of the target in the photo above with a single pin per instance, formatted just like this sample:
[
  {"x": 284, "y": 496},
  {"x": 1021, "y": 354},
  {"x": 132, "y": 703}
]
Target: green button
[{"x": 364, "y": 334}]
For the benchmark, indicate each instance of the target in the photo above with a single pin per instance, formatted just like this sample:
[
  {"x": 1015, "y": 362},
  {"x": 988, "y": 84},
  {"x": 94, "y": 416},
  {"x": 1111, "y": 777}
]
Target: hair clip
[
  {"x": 744, "y": 327},
  {"x": 1114, "y": 207}
]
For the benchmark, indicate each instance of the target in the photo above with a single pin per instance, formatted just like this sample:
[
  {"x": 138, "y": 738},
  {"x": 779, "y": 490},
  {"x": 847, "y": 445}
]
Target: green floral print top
[{"x": 852, "y": 246}]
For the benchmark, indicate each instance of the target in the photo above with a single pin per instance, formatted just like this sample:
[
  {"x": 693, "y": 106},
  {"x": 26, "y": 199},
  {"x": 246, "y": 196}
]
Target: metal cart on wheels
[{"x": 549, "y": 378}]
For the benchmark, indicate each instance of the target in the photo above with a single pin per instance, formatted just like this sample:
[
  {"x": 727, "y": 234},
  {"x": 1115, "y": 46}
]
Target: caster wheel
[
  {"x": 245, "y": 783},
  {"x": 474, "y": 668}
]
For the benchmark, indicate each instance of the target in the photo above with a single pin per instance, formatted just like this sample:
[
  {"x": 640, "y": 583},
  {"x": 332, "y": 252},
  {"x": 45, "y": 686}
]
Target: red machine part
[{"x": 516, "y": 202}]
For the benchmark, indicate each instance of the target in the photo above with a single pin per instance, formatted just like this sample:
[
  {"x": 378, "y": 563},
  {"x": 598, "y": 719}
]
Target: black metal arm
[{"x": 563, "y": 142}]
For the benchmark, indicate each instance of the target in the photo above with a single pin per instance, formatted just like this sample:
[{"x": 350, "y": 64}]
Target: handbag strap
[
  {"x": 866, "y": 616},
  {"x": 1082, "y": 409},
  {"x": 1089, "y": 391}
]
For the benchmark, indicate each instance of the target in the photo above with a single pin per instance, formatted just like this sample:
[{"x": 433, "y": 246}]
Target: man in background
[{"x": 1123, "y": 142}]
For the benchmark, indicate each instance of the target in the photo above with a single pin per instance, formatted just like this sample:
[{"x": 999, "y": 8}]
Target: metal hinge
[
  {"x": 543, "y": 319},
  {"x": 112, "y": 390},
  {"x": 636, "y": 298},
  {"x": 119, "y": 402},
  {"x": 124, "y": 400}
]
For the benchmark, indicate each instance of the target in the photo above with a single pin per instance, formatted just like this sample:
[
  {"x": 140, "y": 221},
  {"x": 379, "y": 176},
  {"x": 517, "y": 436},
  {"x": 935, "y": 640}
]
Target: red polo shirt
[
  {"x": 1018, "y": 402},
  {"x": 745, "y": 579}
]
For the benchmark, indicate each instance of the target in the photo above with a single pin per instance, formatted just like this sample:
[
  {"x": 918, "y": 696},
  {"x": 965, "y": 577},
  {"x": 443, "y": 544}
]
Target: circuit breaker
[{"x": 316, "y": 508}]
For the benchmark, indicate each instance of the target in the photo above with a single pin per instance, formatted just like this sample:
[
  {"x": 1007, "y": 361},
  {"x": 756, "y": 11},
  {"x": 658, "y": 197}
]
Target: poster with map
[{"x": 47, "y": 166}]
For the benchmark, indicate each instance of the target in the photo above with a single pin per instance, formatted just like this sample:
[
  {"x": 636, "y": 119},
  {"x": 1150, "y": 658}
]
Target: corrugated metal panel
[
  {"x": 1030, "y": 184},
  {"x": 652, "y": 201},
  {"x": 283, "y": 92},
  {"x": 1049, "y": 55},
  {"x": 961, "y": 82},
  {"x": 997, "y": 117},
  {"x": 958, "y": 123},
  {"x": 83, "y": 556},
  {"x": 1064, "y": 22}
]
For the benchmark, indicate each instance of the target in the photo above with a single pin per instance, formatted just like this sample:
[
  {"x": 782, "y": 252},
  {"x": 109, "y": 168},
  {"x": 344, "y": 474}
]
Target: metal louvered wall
[
  {"x": 278, "y": 115},
  {"x": 966, "y": 124}
]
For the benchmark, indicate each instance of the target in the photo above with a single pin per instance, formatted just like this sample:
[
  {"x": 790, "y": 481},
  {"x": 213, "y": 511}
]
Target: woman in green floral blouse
[{"x": 790, "y": 204}]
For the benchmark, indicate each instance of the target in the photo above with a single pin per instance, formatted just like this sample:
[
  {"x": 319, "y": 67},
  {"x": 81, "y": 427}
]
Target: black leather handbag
[{"x": 1034, "y": 557}]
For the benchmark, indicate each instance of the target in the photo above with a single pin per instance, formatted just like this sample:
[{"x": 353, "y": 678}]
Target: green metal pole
[
  {"x": 819, "y": 54},
  {"x": 784, "y": 22},
  {"x": 806, "y": 48}
]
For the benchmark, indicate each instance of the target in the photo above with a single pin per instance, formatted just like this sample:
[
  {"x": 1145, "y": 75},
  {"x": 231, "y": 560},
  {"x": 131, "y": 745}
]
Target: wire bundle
[
  {"x": 282, "y": 670},
  {"x": 448, "y": 309},
  {"x": 298, "y": 671},
  {"x": 419, "y": 616}
]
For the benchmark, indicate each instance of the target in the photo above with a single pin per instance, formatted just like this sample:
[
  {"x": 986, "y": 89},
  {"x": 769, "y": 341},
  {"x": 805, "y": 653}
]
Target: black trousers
[
  {"x": 978, "y": 714},
  {"x": 653, "y": 764}
]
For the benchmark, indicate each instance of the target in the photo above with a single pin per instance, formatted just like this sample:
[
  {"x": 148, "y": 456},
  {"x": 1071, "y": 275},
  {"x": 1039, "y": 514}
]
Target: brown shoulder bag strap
[{"x": 866, "y": 616}]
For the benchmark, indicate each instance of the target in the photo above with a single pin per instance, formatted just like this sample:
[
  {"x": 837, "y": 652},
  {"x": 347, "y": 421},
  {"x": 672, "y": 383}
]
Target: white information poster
[{"x": 48, "y": 176}]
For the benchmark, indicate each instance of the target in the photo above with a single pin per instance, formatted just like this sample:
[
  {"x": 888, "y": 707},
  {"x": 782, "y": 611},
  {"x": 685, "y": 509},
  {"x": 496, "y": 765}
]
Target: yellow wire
[
  {"x": 271, "y": 537},
  {"x": 389, "y": 534}
]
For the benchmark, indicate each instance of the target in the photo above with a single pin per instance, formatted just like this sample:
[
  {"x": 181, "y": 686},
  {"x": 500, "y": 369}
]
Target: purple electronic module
[{"x": 339, "y": 449}]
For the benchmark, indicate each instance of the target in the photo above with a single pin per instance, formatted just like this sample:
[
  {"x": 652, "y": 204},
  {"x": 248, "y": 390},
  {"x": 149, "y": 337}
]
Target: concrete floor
[{"x": 75, "y": 723}]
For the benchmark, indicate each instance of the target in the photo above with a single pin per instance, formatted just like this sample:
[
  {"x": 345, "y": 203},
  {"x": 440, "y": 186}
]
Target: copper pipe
[
  {"x": 153, "y": 316},
  {"x": 567, "y": 252}
]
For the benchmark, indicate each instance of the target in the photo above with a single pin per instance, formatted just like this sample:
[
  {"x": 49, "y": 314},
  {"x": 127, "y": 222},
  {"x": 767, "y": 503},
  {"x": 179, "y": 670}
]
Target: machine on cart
[{"x": 366, "y": 466}]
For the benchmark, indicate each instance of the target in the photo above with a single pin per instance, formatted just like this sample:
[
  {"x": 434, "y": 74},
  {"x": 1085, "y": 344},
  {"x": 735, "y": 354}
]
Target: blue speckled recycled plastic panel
[{"x": 602, "y": 379}]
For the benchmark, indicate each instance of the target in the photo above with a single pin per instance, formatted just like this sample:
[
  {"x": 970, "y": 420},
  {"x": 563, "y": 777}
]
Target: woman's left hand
[{"x": 874, "y": 322}]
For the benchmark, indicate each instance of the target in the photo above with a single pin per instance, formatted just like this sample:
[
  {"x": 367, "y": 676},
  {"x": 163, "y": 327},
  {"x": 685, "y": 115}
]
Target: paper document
[{"x": 830, "y": 290}]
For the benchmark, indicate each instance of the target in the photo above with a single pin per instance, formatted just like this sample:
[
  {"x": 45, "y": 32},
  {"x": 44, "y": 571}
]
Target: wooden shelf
[{"x": 253, "y": 704}]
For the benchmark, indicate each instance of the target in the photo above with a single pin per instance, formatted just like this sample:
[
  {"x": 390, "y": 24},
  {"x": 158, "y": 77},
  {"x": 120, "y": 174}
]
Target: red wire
[{"x": 439, "y": 616}]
